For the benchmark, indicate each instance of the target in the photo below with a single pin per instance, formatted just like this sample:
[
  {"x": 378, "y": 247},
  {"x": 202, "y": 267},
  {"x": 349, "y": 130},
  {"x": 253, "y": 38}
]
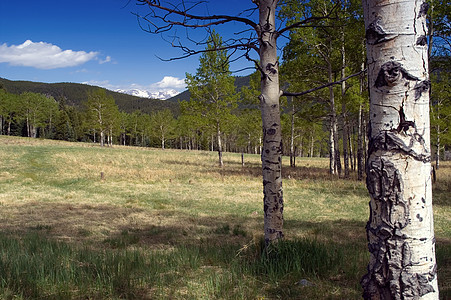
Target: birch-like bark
[
  {"x": 343, "y": 107},
  {"x": 218, "y": 133},
  {"x": 332, "y": 160},
  {"x": 360, "y": 147},
  {"x": 400, "y": 229},
  {"x": 271, "y": 154},
  {"x": 312, "y": 144},
  {"x": 437, "y": 155},
  {"x": 333, "y": 125}
]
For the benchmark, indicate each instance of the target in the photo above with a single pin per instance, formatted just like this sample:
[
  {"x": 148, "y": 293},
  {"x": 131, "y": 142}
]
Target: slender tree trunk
[
  {"x": 218, "y": 132},
  {"x": 351, "y": 151},
  {"x": 333, "y": 125},
  {"x": 332, "y": 161},
  {"x": 292, "y": 134},
  {"x": 28, "y": 126},
  {"x": 301, "y": 147},
  {"x": 360, "y": 163},
  {"x": 437, "y": 156},
  {"x": 312, "y": 144},
  {"x": 33, "y": 129},
  {"x": 271, "y": 155},
  {"x": 400, "y": 229},
  {"x": 102, "y": 138},
  {"x": 260, "y": 145},
  {"x": 360, "y": 133},
  {"x": 343, "y": 107}
]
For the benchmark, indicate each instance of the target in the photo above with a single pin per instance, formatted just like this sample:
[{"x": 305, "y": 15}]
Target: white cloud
[
  {"x": 107, "y": 59},
  {"x": 43, "y": 55},
  {"x": 170, "y": 82}
]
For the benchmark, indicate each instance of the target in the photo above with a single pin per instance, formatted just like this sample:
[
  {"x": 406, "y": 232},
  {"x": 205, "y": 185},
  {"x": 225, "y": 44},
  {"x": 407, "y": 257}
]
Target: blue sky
[{"x": 97, "y": 42}]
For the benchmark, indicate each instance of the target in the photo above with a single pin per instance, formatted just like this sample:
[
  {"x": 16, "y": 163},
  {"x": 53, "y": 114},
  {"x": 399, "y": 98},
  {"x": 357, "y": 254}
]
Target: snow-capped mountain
[{"x": 163, "y": 95}]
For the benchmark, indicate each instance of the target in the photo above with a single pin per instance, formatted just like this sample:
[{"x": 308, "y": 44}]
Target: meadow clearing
[{"x": 79, "y": 221}]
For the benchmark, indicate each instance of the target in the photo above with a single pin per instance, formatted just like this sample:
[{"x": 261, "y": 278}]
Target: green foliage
[
  {"x": 102, "y": 113},
  {"x": 212, "y": 87},
  {"x": 213, "y": 95},
  {"x": 162, "y": 125},
  {"x": 440, "y": 113}
]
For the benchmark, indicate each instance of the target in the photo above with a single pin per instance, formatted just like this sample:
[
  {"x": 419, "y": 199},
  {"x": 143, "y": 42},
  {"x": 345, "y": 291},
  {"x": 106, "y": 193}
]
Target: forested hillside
[{"x": 74, "y": 94}]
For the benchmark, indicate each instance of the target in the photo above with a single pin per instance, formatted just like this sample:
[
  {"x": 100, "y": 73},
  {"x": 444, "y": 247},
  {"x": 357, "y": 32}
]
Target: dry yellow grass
[
  {"x": 162, "y": 199},
  {"x": 58, "y": 186}
]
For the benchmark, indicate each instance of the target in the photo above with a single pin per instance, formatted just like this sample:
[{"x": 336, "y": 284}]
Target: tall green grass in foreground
[{"x": 172, "y": 225}]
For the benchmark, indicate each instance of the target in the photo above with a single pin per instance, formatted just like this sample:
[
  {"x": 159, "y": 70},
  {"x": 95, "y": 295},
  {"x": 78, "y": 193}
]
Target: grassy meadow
[{"x": 82, "y": 222}]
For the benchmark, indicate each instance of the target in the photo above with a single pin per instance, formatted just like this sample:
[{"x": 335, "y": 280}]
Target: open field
[{"x": 82, "y": 222}]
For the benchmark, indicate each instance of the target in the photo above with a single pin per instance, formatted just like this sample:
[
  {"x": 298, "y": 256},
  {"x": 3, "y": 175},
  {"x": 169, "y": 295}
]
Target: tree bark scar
[
  {"x": 270, "y": 131},
  {"x": 389, "y": 252},
  {"x": 422, "y": 41},
  {"x": 376, "y": 34},
  {"x": 271, "y": 68},
  {"x": 392, "y": 141},
  {"x": 421, "y": 87},
  {"x": 391, "y": 74},
  {"x": 404, "y": 125}
]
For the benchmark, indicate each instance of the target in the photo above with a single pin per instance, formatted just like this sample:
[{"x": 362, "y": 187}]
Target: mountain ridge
[{"x": 74, "y": 94}]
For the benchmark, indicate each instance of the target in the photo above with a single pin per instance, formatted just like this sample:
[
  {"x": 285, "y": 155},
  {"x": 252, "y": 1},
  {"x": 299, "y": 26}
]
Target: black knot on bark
[
  {"x": 391, "y": 73},
  {"x": 375, "y": 33},
  {"x": 422, "y": 40},
  {"x": 271, "y": 68},
  {"x": 423, "y": 10},
  {"x": 271, "y": 131},
  {"x": 421, "y": 87}
]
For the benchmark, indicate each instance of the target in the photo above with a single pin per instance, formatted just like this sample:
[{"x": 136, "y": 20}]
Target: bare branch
[
  {"x": 307, "y": 21},
  {"x": 322, "y": 86},
  {"x": 213, "y": 19}
]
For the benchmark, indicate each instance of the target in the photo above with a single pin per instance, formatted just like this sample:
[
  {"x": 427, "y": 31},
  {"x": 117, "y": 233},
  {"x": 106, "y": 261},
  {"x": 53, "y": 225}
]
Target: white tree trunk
[
  {"x": 360, "y": 156},
  {"x": 400, "y": 229},
  {"x": 343, "y": 107},
  {"x": 218, "y": 135},
  {"x": 312, "y": 144},
  {"x": 102, "y": 138},
  {"x": 271, "y": 154},
  {"x": 332, "y": 161}
]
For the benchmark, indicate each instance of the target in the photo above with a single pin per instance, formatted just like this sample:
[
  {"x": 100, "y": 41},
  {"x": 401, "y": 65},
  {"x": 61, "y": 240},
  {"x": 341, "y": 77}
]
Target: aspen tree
[{"x": 400, "y": 229}]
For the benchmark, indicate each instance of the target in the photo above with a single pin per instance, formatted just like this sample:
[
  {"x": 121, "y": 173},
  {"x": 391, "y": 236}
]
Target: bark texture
[
  {"x": 400, "y": 229},
  {"x": 272, "y": 130}
]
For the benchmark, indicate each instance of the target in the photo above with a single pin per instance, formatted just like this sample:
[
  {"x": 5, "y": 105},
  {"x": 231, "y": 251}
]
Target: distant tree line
[{"x": 236, "y": 121}]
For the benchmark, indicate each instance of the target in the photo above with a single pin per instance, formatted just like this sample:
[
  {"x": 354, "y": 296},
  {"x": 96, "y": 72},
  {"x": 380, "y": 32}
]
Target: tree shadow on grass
[{"x": 221, "y": 241}]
